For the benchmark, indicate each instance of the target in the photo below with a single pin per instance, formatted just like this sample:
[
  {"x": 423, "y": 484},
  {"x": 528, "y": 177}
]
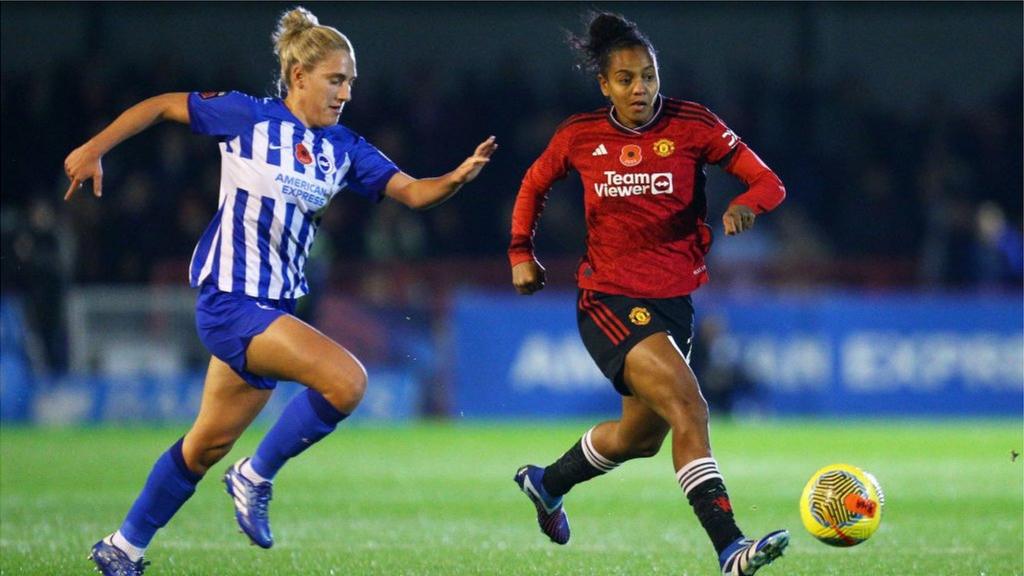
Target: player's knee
[
  {"x": 214, "y": 454},
  {"x": 355, "y": 386},
  {"x": 696, "y": 411},
  {"x": 648, "y": 447},
  {"x": 206, "y": 454},
  {"x": 347, "y": 388},
  {"x": 687, "y": 413}
]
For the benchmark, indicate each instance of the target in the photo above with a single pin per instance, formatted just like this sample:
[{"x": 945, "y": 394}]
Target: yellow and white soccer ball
[{"x": 842, "y": 505}]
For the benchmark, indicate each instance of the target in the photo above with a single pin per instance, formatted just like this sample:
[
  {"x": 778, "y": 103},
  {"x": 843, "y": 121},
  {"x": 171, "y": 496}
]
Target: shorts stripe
[
  {"x": 600, "y": 317},
  {"x": 601, "y": 306},
  {"x": 599, "y": 321}
]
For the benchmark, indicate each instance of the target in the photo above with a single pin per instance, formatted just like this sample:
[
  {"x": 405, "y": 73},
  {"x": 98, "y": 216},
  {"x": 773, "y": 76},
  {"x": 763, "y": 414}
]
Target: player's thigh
[
  {"x": 290, "y": 349},
  {"x": 657, "y": 374},
  {"x": 228, "y": 406}
]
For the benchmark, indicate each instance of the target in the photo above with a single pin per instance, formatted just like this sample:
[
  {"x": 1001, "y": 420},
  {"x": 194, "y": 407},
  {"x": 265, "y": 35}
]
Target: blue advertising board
[
  {"x": 392, "y": 396},
  {"x": 518, "y": 356},
  {"x": 811, "y": 354}
]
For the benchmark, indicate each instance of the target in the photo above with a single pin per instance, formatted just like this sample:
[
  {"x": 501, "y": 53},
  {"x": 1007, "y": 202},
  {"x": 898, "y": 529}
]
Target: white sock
[
  {"x": 246, "y": 470},
  {"x": 134, "y": 552}
]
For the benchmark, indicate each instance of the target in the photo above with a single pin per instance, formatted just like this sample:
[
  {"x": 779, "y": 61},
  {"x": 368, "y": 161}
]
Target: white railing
[{"x": 123, "y": 330}]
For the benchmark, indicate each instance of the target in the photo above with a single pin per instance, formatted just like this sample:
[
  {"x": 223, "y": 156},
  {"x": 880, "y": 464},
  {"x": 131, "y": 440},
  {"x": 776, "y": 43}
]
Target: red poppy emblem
[
  {"x": 303, "y": 155},
  {"x": 631, "y": 155}
]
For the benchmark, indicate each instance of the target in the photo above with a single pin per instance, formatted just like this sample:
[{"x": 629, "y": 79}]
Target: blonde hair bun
[
  {"x": 291, "y": 24},
  {"x": 301, "y": 39}
]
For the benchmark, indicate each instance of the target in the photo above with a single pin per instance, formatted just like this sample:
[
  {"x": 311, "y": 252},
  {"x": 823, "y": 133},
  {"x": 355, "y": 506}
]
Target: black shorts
[{"x": 611, "y": 325}]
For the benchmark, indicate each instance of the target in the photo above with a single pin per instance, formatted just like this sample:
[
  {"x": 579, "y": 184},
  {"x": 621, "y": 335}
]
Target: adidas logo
[{"x": 600, "y": 151}]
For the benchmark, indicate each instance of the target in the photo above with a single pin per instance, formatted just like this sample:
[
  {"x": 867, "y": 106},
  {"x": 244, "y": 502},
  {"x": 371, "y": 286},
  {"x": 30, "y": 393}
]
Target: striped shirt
[{"x": 277, "y": 178}]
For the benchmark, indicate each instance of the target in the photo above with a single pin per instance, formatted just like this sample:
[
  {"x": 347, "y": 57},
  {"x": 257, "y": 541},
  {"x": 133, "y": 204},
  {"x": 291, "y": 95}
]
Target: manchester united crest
[
  {"x": 631, "y": 155},
  {"x": 639, "y": 316},
  {"x": 664, "y": 147}
]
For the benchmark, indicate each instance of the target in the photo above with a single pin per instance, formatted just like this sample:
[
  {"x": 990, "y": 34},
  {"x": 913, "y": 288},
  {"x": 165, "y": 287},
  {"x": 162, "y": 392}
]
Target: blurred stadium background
[{"x": 888, "y": 285}]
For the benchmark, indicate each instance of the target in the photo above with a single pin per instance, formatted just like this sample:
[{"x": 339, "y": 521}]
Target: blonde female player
[{"x": 283, "y": 159}]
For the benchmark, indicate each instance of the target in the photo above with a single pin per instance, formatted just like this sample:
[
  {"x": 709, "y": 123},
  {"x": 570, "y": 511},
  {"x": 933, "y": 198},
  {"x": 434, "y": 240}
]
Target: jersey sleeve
[
  {"x": 221, "y": 113},
  {"x": 764, "y": 188},
  {"x": 552, "y": 165},
  {"x": 370, "y": 170},
  {"x": 719, "y": 141}
]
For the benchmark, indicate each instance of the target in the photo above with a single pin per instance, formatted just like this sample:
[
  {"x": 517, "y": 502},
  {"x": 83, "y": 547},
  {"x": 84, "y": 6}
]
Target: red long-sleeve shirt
[{"x": 643, "y": 194}]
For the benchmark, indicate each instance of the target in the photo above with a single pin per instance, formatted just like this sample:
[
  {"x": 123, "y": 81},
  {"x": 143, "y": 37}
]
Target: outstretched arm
[
  {"x": 84, "y": 163},
  {"x": 764, "y": 190},
  {"x": 423, "y": 193}
]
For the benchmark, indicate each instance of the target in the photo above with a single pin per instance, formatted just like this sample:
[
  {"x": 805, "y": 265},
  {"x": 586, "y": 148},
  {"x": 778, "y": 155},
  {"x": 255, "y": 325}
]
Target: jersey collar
[
  {"x": 639, "y": 129},
  {"x": 281, "y": 111}
]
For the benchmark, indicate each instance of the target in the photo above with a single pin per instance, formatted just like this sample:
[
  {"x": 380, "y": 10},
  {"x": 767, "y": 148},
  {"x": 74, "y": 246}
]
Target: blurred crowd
[{"x": 875, "y": 196}]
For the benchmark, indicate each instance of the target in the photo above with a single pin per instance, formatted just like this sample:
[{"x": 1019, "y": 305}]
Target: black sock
[
  {"x": 579, "y": 464},
  {"x": 705, "y": 489}
]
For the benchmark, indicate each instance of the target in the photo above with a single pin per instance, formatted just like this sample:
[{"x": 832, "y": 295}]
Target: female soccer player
[
  {"x": 283, "y": 159},
  {"x": 642, "y": 161}
]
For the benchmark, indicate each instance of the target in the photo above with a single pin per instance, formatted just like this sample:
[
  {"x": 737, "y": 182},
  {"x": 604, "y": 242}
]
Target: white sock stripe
[
  {"x": 696, "y": 472},
  {"x": 609, "y": 462},
  {"x": 689, "y": 485},
  {"x": 588, "y": 442},
  {"x": 595, "y": 459},
  {"x": 693, "y": 464}
]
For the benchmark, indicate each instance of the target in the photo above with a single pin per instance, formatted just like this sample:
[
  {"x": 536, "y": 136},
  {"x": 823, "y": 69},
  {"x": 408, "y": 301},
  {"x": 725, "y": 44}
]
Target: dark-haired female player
[
  {"x": 642, "y": 162},
  {"x": 284, "y": 159}
]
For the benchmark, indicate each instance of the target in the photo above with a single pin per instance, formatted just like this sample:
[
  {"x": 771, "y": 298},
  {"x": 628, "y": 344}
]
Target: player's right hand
[
  {"x": 84, "y": 163},
  {"x": 528, "y": 277}
]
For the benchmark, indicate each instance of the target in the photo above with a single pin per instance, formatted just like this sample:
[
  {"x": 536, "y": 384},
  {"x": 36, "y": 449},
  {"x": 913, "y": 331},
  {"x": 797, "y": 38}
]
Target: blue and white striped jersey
[{"x": 277, "y": 177}]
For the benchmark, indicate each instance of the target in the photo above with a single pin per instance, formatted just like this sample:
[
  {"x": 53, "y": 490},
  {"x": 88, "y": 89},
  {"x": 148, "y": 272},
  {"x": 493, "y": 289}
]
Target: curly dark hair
[{"x": 606, "y": 33}]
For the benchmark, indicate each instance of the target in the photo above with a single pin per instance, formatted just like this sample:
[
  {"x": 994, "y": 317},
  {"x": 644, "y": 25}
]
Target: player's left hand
[
  {"x": 738, "y": 218},
  {"x": 472, "y": 166}
]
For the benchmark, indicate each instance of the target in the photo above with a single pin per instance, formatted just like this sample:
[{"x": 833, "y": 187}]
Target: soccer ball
[{"x": 842, "y": 505}]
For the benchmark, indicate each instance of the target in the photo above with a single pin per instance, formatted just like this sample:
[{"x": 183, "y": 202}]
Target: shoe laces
[
  {"x": 262, "y": 493},
  {"x": 122, "y": 563},
  {"x": 742, "y": 545},
  {"x": 129, "y": 568}
]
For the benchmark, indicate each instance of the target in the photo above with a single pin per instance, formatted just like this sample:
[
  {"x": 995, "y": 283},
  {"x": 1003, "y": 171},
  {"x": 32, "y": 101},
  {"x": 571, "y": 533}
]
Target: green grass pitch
[{"x": 439, "y": 499}]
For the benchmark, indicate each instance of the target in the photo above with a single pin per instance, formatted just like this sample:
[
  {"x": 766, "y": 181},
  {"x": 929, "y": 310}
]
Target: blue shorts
[{"x": 227, "y": 322}]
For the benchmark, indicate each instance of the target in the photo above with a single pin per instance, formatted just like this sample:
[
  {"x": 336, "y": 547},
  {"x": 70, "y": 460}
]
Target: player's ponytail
[
  {"x": 301, "y": 39},
  {"x": 606, "y": 33}
]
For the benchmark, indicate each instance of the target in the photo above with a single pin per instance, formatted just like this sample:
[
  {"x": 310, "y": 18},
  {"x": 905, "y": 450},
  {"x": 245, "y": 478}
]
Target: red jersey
[{"x": 643, "y": 194}]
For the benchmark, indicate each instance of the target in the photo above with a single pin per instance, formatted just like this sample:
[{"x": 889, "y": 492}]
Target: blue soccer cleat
[
  {"x": 112, "y": 561},
  {"x": 251, "y": 502},
  {"x": 745, "y": 557},
  {"x": 551, "y": 516}
]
